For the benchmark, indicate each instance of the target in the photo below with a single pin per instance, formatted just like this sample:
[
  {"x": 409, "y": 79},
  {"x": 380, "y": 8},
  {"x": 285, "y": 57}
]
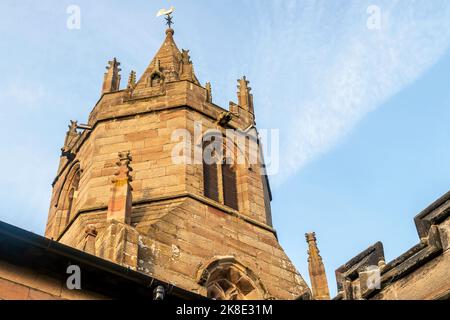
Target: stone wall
[
  {"x": 421, "y": 273},
  {"x": 19, "y": 283},
  {"x": 180, "y": 245}
]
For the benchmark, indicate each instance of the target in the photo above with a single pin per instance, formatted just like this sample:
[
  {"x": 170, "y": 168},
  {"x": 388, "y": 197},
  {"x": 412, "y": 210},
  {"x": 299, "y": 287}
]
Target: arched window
[
  {"x": 68, "y": 197},
  {"x": 227, "y": 279},
  {"x": 210, "y": 171},
  {"x": 155, "y": 80},
  {"x": 210, "y": 183},
  {"x": 219, "y": 174}
]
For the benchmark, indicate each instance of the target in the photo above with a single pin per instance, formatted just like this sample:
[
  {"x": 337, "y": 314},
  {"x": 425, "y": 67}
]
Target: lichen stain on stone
[
  {"x": 176, "y": 253},
  {"x": 141, "y": 243}
]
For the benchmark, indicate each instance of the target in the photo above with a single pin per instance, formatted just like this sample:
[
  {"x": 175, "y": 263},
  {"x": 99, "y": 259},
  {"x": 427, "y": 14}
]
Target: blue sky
[{"x": 363, "y": 113}]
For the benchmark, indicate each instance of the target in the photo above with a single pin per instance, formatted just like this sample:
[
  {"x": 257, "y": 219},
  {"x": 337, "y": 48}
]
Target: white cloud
[
  {"x": 325, "y": 70},
  {"x": 24, "y": 93}
]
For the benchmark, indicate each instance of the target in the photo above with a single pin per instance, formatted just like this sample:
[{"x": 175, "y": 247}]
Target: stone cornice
[
  {"x": 132, "y": 115},
  {"x": 190, "y": 195}
]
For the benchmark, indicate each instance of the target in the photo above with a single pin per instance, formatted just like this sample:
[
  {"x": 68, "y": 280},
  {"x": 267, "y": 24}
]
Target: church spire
[
  {"x": 169, "y": 64},
  {"x": 318, "y": 277}
]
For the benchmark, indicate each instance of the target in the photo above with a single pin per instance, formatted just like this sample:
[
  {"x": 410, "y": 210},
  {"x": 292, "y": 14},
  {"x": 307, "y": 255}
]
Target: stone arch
[
  {"x": 66, "y": 182},
  {"x": 235, "y": 157},
  {"x": 229, "y": 147},
  {"x": 156, "y": 79},
  {"x": 225, "y": 278},
  {"x": 67, "y": 197}
]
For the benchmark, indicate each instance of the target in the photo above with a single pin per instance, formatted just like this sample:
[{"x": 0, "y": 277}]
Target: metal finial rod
[
  {"x": 168, "y": 15},
  {"x": 169, "y": 20}
]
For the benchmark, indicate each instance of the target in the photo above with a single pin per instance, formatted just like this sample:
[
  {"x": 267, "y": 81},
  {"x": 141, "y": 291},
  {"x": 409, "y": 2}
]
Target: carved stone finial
[
  {"x": 72, "y": 136},
  {"x": 73, "y": 126},
  {"x": 185, "y": 57},
  {"x": 245, "y": 98},
  {"x": 244, "y": 109},
  {"x": 132, "y": 80},
  {"x": 120, "y": 203},
  {"x": 123, "y": 167},
  {"x": 89, "y": 241},
  {"x": 319, "y": 282},
  {"x": 208, "y": 92},
  {"x": 311, "y": 237},
  {"x": 124, "y": 158},
  {"x": 243, "y": 85},
  {"x": 187, "y": 67},
  {"x": 111, "y": 82}
]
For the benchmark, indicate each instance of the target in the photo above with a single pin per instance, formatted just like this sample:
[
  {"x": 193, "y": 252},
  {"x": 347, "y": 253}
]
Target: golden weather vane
[{"x": 168, "y": 15}]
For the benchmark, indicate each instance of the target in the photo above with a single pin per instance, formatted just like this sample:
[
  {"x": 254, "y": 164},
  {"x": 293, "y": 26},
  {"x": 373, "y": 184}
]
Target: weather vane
[{"x": 168, "y": 14}]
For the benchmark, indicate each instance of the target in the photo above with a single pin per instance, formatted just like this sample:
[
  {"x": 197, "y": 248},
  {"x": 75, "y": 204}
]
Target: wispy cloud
[
  {"x": 24, "y": 93},
  {"x": 328, "y": 70}
]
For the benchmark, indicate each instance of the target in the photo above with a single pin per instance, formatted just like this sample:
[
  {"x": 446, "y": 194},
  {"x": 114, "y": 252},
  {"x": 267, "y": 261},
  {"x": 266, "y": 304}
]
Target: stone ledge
[{"x": 202, "y": 199}]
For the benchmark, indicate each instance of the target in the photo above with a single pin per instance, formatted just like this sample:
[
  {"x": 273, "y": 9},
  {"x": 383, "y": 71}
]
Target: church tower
[{"x": 134, "y": 186}]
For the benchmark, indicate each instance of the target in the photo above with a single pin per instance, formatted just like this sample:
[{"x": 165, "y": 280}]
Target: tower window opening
[
  {"x": 210, "y": 177},
  {"x": 70, "y": 191},
  {"x": 229, "y": 182},
  {"x": 219, "y": 176},
  {"x": 155, "y": 80}
]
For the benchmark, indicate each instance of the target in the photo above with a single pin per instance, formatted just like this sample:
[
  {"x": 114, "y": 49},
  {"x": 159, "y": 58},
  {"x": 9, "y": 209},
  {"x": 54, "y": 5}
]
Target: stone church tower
[{"x": 205, "y": 227}]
